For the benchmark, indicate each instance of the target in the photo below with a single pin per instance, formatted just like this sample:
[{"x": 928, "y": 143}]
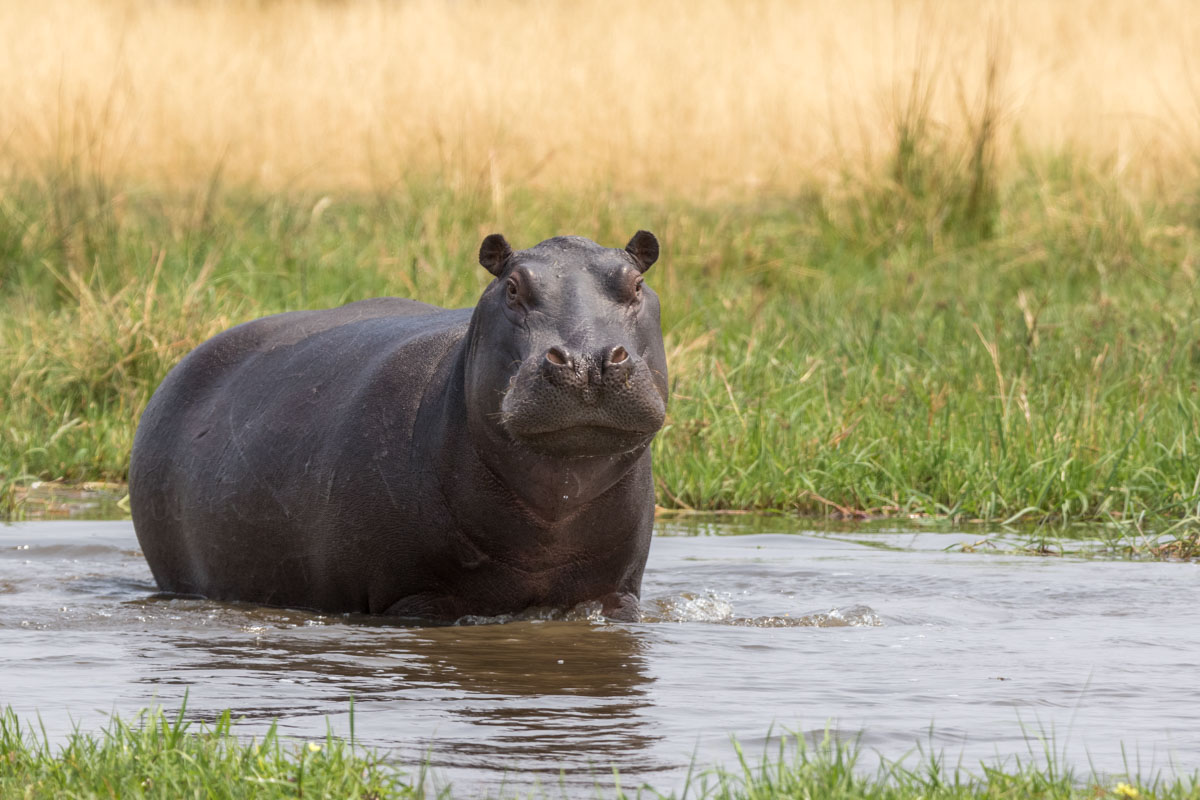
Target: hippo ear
[
  {"x": 493, "y": 253},
  {"x": 644, "y": 249}
]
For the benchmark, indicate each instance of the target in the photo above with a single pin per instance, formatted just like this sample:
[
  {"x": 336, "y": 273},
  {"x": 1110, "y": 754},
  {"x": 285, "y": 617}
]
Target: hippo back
[{"x": 266, "y": 412}]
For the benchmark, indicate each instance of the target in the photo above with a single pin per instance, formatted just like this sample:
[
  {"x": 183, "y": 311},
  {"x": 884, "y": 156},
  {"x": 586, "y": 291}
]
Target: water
[{"x": 884, "y": 634}]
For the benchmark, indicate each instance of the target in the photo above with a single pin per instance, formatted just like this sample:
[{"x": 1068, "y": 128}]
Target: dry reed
[{"x": 702, "y": 97}]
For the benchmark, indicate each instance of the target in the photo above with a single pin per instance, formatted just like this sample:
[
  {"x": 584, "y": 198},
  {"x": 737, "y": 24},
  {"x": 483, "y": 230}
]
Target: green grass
[
  {"x": 161, "y": 756},
  {"x": 829, "y": 770},
  {"x": 930, "y": 341},
  {"x": 158, "y": 756}
]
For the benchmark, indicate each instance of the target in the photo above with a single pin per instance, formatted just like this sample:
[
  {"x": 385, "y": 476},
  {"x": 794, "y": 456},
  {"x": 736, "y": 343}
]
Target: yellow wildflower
[{"x": 1127, "y": 791}]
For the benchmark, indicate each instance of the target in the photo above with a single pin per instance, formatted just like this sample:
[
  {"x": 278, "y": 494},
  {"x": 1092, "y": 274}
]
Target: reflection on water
[
  {"x": 880, "y": 632},
  {"x": 550, "y": 693}
]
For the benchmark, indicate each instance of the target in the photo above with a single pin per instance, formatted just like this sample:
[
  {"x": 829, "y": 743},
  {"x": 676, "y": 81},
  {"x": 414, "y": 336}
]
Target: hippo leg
[
  {"x": 423, "y": 606},
  {"x": 621, "y": 606}
]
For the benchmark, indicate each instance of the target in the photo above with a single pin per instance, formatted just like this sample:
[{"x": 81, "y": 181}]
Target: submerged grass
[
  {"x": 1179, "y": 541},
  {"x": 864, "y": 352},
  {"x": 158, "y": 755}
]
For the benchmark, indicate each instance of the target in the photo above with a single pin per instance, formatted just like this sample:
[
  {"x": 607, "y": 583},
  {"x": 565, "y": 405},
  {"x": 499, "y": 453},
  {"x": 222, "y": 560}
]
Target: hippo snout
[
  {"x": 583, "y": 402},
  {"x": 606, "y": 366}
]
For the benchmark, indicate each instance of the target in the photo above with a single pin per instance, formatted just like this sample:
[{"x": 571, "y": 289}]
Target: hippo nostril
[
  {"x": 619, "y": 355},
  {"x": 558, "y": 357}
]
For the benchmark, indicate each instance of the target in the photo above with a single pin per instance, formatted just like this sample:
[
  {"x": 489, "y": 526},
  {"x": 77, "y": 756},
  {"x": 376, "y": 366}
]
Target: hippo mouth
[
  {"x": 568, "y": 415},
  {"x": 584, "y": 440}
]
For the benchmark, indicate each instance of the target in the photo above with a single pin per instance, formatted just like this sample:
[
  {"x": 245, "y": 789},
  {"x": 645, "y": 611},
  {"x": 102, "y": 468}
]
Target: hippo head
[{"x": 566, "y": 356}]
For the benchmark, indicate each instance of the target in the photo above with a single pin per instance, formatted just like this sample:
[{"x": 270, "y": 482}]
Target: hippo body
[{"x": 391, "y": 457}]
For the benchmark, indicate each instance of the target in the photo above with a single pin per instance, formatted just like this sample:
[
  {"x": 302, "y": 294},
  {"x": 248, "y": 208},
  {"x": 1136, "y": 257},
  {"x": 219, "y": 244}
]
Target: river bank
[{"x": 861, "y": 354}]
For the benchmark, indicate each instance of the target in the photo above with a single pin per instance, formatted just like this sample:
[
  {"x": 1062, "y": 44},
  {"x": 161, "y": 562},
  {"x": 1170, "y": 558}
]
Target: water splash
[
  {"x": 717, "y": 608},
  {"x": 852, "y": 617},
  {"x": 584, "y": 612},
  {"x": 690, "y": 607}
]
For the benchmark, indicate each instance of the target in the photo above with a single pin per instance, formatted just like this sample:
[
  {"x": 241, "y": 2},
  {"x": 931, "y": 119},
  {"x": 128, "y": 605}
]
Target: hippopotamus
[{"x": 394, "y": 458}]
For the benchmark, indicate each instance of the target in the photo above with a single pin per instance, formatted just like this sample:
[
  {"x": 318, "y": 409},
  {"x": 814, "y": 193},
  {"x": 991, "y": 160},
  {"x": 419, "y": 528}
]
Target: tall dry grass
[{"x": 695, "y": 96}]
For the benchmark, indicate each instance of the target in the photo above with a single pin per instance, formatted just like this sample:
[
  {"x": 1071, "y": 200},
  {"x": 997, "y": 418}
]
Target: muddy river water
[{"x": 893, "y": 635}]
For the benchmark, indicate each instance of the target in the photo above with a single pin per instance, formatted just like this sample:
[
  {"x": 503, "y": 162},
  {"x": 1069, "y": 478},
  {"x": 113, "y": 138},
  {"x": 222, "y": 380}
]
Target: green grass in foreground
[
  {"x": 159, "y": 756},
  {"x": 895, "y": 346}
]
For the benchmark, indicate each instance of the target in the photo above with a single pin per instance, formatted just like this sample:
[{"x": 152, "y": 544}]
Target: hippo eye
[
  {"x": 511, "y": 292},
  {"x": 637, "y": 288}
]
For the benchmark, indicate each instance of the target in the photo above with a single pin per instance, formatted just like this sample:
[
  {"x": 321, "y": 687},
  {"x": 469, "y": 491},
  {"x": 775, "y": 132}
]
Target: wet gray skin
[
  {"x": 390, "y": 457},
  {"x": 972, "y": 655}
]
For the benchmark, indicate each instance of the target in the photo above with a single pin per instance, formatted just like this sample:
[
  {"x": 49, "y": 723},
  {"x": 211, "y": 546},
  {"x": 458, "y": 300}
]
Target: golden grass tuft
[{"x": 706, "y": 97}]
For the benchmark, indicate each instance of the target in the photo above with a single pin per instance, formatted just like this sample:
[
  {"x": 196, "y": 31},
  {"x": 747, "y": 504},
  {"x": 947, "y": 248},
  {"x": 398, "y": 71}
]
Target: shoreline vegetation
[
  {"x": 950, "y": 278},
  {"x": 1036, "y": 359},
  {"x": 1111, "y": 540},
  {"x": 160, "y": 755}
]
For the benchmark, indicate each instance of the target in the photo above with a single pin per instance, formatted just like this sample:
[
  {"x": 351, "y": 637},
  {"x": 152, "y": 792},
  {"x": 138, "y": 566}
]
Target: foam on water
[{"x": 717, "y": 608}]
